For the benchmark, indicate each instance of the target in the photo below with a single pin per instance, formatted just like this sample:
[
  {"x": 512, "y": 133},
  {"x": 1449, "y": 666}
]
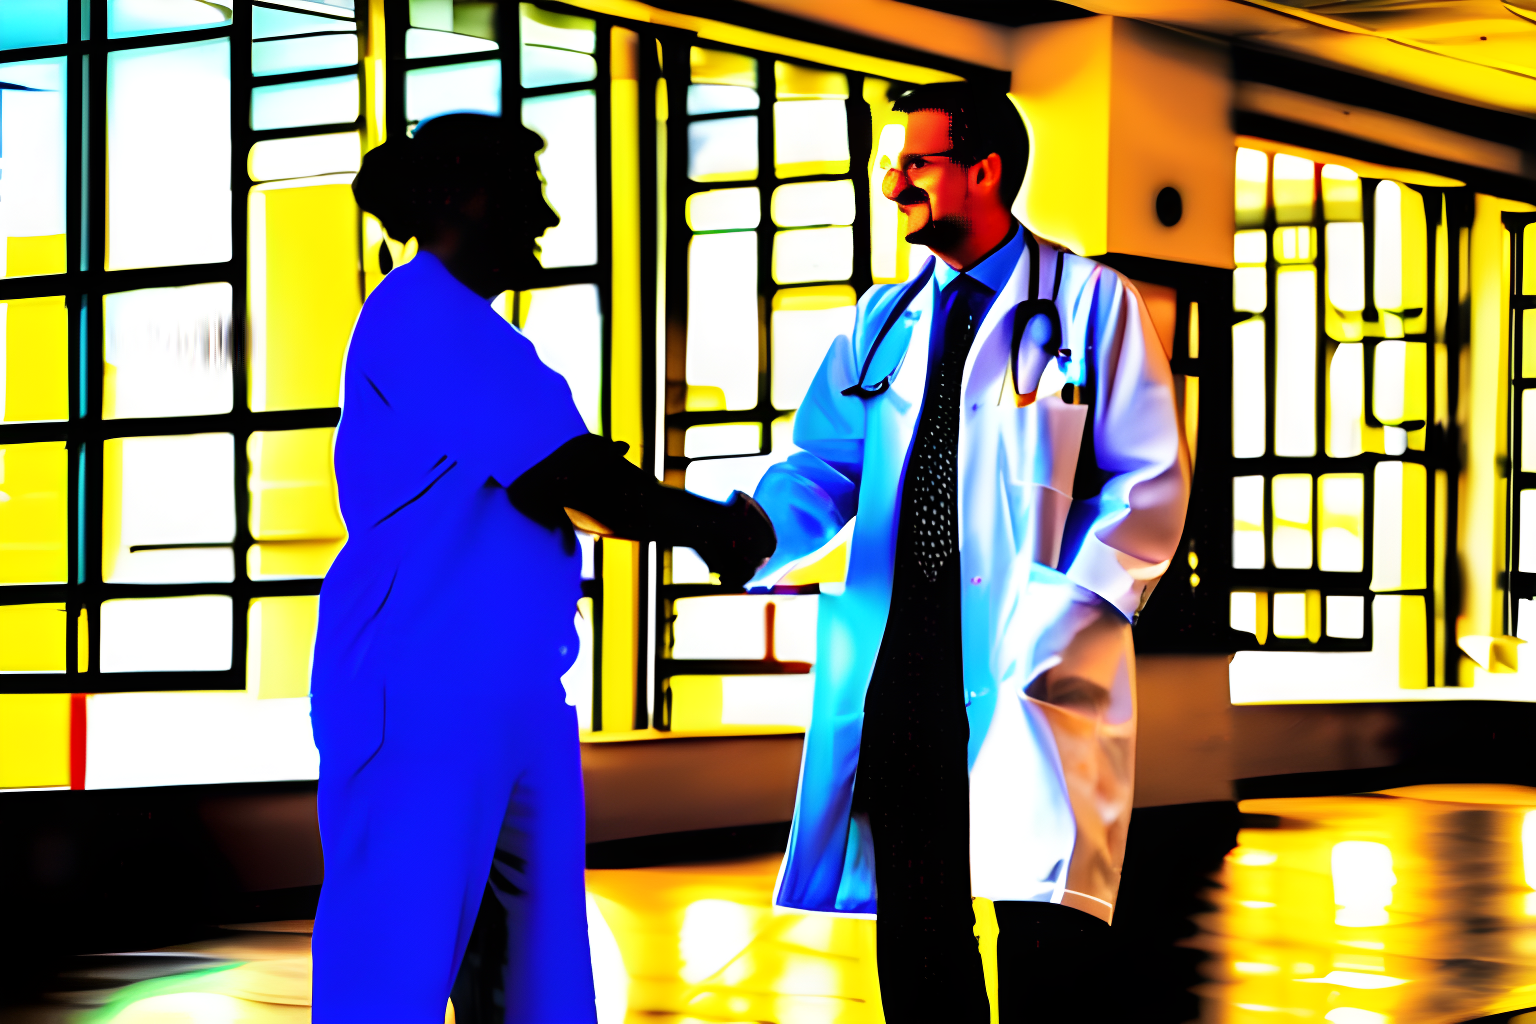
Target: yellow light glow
[
  {"x": 1295, "y": 188},
  {"x": 1399, "y": 381},
  {"x": 1362, "y": 885},
  {"x": 1399, "y": 524},
  {"x": 1291, "y": 499},
  {"x": 34, "y": 732},
  {"x": 1249, "y": 613},
  {"x": 1296, "y": 244},
  {"x": 1252, "y": 187},
  {"x": 1341, "y": 193},
  {"x": 1341, "y": 522},
  {"x": 1248, "y": 522}
]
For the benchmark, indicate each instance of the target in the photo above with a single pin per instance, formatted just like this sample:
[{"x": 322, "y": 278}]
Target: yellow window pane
[
  {"x": 1296, "y": 245},
  {"x": 1249, "y": 400},
  {"x": 1252, "y": 187},
  {"x": 34, "y": 360},
  {"x": 1528, "y": 286},
  {"x": 1398, "y": 385},
  {"x": 1341, "y": 522},
  {"x": 1249, "y": 613},
  {"x": 280, "y": 639},
  {"x": 810, "y": 137},
  {"x": 34, "y": 516},
  {"x": 1401, "y": 628},
  {"x": 32, "y": 637},
  {"x": 294, "y": 515},
  {"x": 1291, "y": 498},
  {"x": 724, "y": 209},
  {"x": 829, "y": 568},
  {"x": 721, "y": 67},
  {"x": 1341, "y": 193},
  {"x": 34, "y": 739},
  {"x": 305, "y": 291},
  {"x": 813, "y": 254},
  {"x": 794, "y": 82},
  {"x": 1346, "y": 401},
  {"x": 1296, "y": 361},
  {"x": 1297, "y": 615},
  {"x": 1397, "y": 554},
  {"x": 1194, "y": 330},
  {"x": 1295, "y": 189},
  {"x": 695, "y": 702},
  {"x": 1248, "y": 522}
]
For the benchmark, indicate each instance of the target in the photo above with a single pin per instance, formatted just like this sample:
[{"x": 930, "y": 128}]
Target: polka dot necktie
[{"x": 932, "y": 481}]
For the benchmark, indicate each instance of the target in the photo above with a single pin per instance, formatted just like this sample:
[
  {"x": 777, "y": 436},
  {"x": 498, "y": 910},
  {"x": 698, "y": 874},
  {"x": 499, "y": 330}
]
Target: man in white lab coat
[{"x": 1002, "y": 431}]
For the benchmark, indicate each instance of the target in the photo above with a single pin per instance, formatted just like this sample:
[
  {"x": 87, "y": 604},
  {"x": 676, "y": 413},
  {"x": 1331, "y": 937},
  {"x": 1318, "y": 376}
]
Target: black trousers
[{"x": 914, "y": 786}]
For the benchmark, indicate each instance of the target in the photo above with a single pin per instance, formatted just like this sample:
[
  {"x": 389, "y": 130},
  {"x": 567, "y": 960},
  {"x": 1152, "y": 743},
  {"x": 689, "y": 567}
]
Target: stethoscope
[{"x": 1034, "y": 312}]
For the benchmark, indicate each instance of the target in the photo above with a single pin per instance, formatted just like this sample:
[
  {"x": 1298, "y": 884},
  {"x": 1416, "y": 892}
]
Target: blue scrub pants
[{"x": 411, "y": 815}]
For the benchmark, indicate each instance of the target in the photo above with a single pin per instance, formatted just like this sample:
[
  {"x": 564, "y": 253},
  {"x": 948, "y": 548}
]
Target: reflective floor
[{"x": 1413, "y": 906}]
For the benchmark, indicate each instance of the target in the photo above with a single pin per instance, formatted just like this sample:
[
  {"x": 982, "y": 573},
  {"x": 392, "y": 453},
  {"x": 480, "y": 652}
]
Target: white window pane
[
  {"x": 716, "y": 99},
  {"x": 723, "y": 315},
  {"x": 723, "y": 150},
  {"x": 305, "y": 53},
  {"x": 688, "y": 567},
  {"x": 722, "y": 439},
  {"x": 168, "y": 352},
  {"x": 168, "y": 197},
  {"x": 566, "y": 327},
  {"x": 458, "y": 88},
  {"x": 267, "y": 23},
  {"x": 167, "y": 634},
  {"x": 1527, "y": 559},
  {"x": 808, "y": 203},
  {"x": 169, "y": 497},
  {"x": 425, "y": 42},
  {"x": 306, "y": 156},
  {"x": 1291, "y": 502},
  {"x": 724, "y": 209},
  {"x": 813, "y": 254},
  {"x": 1248, "y": 522},
  {"x": 1341, "y": 516},
  {"x": 1346, "y": 265},
  {"x": 297, "y": 104},
  {"x": 1388, "y": 276},
  {"x": 794, "y": 628},
  {"x": 810, "y": 132},
  {"x": 801, "y": 338},
  {"x": 1244, "y": 613},
  {"x": 1248, "y": 247},
  {"x": 732, "y": 627},
  {"x": 1290, "y": 615},
  {"x": 1296, "y": 361},
  {"x": 547, "y": 65},
  {"x": 1248, "y": 397},
  {"x": 717, "y": 478},
  {"x": 127, "y": 18},
  {"x": 32, "y": 162},
  {"x": 568, "y": 123},
  {"x": 1345, "y": 617},
  {"x": 1250, "y": 289},
  {"x": 1346, "y": 401},
  {"x": 766, "y": 700},
  {"x": 578, "y": 678}
]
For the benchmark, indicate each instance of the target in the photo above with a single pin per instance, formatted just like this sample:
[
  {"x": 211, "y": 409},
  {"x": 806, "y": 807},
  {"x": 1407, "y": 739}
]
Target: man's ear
[{"x": 987, "y": 173}]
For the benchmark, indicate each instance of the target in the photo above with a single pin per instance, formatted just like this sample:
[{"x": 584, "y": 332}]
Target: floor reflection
[{"x": 1410, "y": 906}]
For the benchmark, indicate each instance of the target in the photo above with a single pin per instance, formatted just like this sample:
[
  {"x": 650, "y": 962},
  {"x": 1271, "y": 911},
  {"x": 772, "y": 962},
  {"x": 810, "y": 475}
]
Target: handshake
[{"x": 588, "y": 482}]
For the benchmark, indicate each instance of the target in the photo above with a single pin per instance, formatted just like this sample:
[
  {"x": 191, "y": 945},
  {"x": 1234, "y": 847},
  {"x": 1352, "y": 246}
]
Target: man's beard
[{"x": 940, "y": 234}]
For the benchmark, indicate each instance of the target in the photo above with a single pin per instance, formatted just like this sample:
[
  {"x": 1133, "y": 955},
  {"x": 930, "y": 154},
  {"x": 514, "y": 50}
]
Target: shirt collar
[{"x": 994, "y": 269}]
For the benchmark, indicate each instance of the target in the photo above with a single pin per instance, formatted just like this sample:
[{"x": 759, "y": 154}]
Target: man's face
[
  {"x": 928, "y": 185},
  {"x": 505, "y": 225}
]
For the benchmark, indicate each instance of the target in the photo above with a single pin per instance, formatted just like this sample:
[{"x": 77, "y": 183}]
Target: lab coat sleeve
[
  {"x": 1119, "y": 542},
  {"x": 811, "y": 495}
]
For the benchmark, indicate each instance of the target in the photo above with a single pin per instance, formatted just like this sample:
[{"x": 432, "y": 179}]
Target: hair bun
[{"x": 387, "y": 184}]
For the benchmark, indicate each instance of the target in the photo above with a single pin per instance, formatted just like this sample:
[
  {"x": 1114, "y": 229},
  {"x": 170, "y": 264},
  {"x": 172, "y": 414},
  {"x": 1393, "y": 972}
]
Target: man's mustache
[{"x": 911, "y": 196}]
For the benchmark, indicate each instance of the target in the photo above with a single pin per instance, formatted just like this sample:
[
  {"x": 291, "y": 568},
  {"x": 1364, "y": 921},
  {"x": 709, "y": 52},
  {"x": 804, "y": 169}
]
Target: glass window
[
  {"x": 566, "y": 327},
  {"x": 32, "y": 165},
  {"x": 304, "y": 53},
  {"x": 167, "y": 634},
  {"x": 568, "y": 124},
  {"x": 306, "y": 156},
  {"x": 722, "y": 315},
  {"x": 556, "y": 49},
  {"x": 294, "y": 516},
  {"x": 32, "y": 637},
  {"x": 34, "y": 23},
  {"x": 34, "y": 517},
  {"x": 330, "y": 100},
  {"x": 280, "y": 640},
  {"x": 128, "y": 18},
  {"x": 168, "y": 509},
  {"x": 458, "y": 88},
  {"x": 168, "y": 148}
]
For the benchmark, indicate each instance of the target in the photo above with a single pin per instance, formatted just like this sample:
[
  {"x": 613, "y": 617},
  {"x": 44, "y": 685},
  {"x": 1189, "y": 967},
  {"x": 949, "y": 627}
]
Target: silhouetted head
[
  {"x": 467, "y": 188},
  {"x": 962, "y": 163}
]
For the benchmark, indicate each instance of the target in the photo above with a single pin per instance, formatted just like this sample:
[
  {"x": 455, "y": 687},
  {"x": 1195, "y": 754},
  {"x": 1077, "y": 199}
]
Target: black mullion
[
  {"x": 26, "y": 53},
  {"x": 289, "y": 77},
  {"x": 94, "y": 246},
  {"x": 475, "y": 57},
  {"x": 861, "y": 142},
  {"x": 196, "y": 35},
  {"x": 767, "y": 180},
  {"x": 397, "y": 17},
  {"x": 1514, "y": 224},
  {"x": 299, "y": 131},
  {"x": 240, "y": 187},
  {"x": 647, "y": 75},
  {"x": 725, "y": 115},
  {"x": 1431, "y": 435},
  {"x": 95, "y": 429},
  {"x": 74, "y": 177}
]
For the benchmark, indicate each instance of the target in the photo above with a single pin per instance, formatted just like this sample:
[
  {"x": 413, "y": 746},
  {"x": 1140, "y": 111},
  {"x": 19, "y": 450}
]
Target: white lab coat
[{"x": 1049, "y": 584}]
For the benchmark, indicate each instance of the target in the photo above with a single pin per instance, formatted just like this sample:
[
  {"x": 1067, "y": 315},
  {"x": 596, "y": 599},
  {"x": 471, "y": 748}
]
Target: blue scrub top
[{"x": 442, "y": 582}]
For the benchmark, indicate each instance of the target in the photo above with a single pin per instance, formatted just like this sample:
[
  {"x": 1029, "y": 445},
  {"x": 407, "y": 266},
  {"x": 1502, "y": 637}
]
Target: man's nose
[{"x": 894, "y": 183}]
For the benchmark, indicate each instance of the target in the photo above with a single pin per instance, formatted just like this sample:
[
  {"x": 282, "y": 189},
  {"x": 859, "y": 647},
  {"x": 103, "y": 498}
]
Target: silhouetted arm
[{"x": 588, "y": 482}]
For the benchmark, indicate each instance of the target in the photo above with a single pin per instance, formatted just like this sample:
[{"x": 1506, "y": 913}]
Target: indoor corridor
[{"x": 1410, "y": 906}]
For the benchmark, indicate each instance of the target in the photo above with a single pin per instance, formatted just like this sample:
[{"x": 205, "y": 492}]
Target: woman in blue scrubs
[{"x": 448, "y": 754}]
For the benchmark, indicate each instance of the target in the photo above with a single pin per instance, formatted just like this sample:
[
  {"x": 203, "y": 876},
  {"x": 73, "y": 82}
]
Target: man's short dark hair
[{"x": 982, "y": 121}]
